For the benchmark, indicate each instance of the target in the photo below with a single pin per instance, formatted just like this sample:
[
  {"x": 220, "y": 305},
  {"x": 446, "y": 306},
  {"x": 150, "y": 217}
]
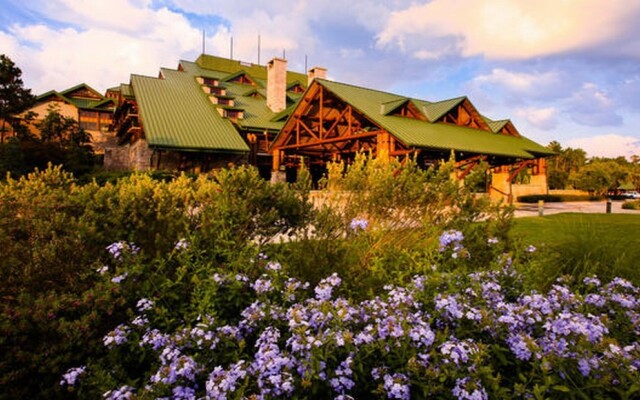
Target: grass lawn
[{"x": 607, "y": 245}]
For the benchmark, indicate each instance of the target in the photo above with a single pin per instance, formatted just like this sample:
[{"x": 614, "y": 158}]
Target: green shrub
[
  {"x": 53, "y": 235},
  {"x": 557, "y": 198},
  {"x": 631, "y": 205}
]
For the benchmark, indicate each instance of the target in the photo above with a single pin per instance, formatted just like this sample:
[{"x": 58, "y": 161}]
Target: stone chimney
[
  {"x": 277, "y": 84},
  {"x": 316, "y": 72}
]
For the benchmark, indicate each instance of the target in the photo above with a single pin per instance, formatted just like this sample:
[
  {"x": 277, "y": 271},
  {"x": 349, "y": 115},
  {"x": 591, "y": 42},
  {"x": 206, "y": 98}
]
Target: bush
[
  {"x": 631, "y": 205},
  {"x": 54, "y": 234},
  {"x": 166, "y": 288},
  {"x": 441, "y": 335},
  {"x": 557, "y": 198}
]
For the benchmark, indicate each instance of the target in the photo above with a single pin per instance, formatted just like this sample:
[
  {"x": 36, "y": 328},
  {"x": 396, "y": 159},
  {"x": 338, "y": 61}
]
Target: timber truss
[{"x": 324, "y": 127}]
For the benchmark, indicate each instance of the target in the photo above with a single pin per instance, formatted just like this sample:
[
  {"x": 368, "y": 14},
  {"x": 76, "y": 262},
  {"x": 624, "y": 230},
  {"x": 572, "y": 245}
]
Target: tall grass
[{"x": 580, "y": 245}]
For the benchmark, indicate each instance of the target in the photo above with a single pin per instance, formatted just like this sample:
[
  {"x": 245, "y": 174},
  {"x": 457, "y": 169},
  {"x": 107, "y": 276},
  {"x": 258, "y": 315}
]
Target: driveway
[{"x": 531, "y": 210}]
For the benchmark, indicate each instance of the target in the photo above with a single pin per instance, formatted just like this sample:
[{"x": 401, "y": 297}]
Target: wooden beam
[
  {"x": 519, "y": 167},
  {"x": 321, "y": 112},
  {"x": 345, "y": 111},
  {"x": 470, "y": 163},
  {"x": 329, "y": 141},
  {"x": 309, "y": 130}
]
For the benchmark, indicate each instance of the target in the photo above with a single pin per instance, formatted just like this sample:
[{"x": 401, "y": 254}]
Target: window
[{"x": 89, "y": 120}]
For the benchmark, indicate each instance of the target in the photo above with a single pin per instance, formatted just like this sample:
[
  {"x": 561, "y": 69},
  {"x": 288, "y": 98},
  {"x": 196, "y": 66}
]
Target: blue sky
[{"x": 565, "y": 70}]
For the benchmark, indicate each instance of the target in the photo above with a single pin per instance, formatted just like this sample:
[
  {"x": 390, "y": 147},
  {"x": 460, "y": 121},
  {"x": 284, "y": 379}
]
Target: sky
[{"x": 563, "y": 70}]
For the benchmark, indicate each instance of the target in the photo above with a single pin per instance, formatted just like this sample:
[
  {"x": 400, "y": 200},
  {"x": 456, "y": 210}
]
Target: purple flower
[
  {"x": 358, "y": 224},
  {"x": 450, "y": 306},
  {"x": 183, "y": 393},
  {"x": 421, "y": 333},
  {"x": 397, "y": 386},
  {"x": 123, "y": 393},
  {"x": 262, "y": 285},
  {"x": 342, "y": 381},
  {"x": 458, "y": 351},
  {"x": 155, "y": 338},
  {"x": 324, "y": 290},
  {"x": 222, "y": 382},
  {"x": 451, "y": 238},
  {"x": 140, "y": 321},
  {"x": 103, "y": 270},
  {"x": 531, "y": 248},
  {"x": 72, "y": 374},
  {"x": 584, "y": 367},
  {"x": 591, "y": 281},
  {"x": 518, "y": 343},
  {"x": 144, "y": 305},
  {"x": 182, "y": 244},
  {"x": 466, "y": 389},
  {"x": 119, "y": 278},
  {"x": 273, "y": 266},
  {"x": 116, "y": 249},
  {"x": 116, "y": 337}
]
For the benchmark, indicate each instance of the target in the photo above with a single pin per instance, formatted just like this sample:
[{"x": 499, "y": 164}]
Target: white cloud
[
  {"x": 518, "y": 81},
  {"x": 610, "y": 145},
  {"x": 543, "y": 118},
  {"x": 103, "y": 53},
  {"x": 506, "y": 29}
]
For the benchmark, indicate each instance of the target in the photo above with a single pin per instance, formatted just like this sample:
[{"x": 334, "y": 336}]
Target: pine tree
[{"x": 14, "y": 98}]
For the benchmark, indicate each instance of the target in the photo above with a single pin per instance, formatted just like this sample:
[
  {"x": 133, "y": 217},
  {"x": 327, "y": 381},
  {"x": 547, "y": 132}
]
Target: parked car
[{"x": 632, "y": 194}]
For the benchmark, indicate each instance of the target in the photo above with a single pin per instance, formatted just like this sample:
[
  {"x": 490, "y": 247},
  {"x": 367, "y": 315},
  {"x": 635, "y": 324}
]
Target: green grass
[{"x": 606, "y": 245}]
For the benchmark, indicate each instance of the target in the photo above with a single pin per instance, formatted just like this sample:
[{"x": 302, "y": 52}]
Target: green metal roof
[
  {"x": 257, "y": 116},
  {"x": 102, "y": 103},
  {"x": 495, "y": 126},
  {"x": 176, "y": 113},
  {"x": 421, "y": 134},
  {"x": 435, "y": 111},
  {"x": 127, "y": 91},
  {"x": 256, "y": 71}
]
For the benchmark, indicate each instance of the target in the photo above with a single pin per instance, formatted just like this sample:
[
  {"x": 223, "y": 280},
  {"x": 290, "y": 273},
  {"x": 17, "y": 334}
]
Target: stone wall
[
  {"x": 501, "y": 189},
  {"x": 136, "y": 156}
]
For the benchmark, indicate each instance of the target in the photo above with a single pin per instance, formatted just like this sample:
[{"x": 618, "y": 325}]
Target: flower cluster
[
  {"x": 70, "y": 377},
  {"x": 407, "y": 338},
  {"x": 117, "y": 249},
  {"x": 358, "y": 224},
  {"x": 451, "y": 240}
]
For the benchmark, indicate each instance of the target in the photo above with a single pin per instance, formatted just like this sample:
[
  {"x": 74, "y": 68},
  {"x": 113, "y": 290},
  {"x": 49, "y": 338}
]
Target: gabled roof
[
  {"x": 94, "y": 94},
  {"x": 429, "y": 134},
  {"x": 95, "y": 101},
  {"x": 177, "y": 114},
  {"x": 436, "y": 110}
]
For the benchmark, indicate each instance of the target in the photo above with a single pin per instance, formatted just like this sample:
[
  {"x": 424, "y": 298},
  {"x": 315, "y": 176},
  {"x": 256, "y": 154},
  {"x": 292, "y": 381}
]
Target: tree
[
  {"x": 14, "y": 98},
  {"x": 61, "y": 141},
  {"x": 559, "y": 167},
  {"x": 594, "y": 178}
]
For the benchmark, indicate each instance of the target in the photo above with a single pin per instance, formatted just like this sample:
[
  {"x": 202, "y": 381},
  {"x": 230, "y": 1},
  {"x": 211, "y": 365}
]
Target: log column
[{"x": 276, "y": 174}]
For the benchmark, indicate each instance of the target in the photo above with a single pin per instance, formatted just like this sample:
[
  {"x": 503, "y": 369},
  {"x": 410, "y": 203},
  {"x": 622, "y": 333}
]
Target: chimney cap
[{"x": 276, "y": 59}]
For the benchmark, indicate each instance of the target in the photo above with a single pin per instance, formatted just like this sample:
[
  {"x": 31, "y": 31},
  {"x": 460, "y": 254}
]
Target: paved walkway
[{"x": 531, "y": 210}]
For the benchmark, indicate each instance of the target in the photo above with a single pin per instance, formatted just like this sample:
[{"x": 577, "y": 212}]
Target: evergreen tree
[{"x": 14, "y": 98}]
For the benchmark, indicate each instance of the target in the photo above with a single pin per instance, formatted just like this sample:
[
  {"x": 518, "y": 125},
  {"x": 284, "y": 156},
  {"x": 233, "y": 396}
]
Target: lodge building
[
  {"x": 92, "y": 111},
  {"x": 215, "y": 112}
]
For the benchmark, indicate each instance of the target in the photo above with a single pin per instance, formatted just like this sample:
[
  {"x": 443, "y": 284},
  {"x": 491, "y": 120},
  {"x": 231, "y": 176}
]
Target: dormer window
[
  {"x": 297, "y": 88},
  {"x": 409, "y": 110},
  {"x": 243, "y": 79}
]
